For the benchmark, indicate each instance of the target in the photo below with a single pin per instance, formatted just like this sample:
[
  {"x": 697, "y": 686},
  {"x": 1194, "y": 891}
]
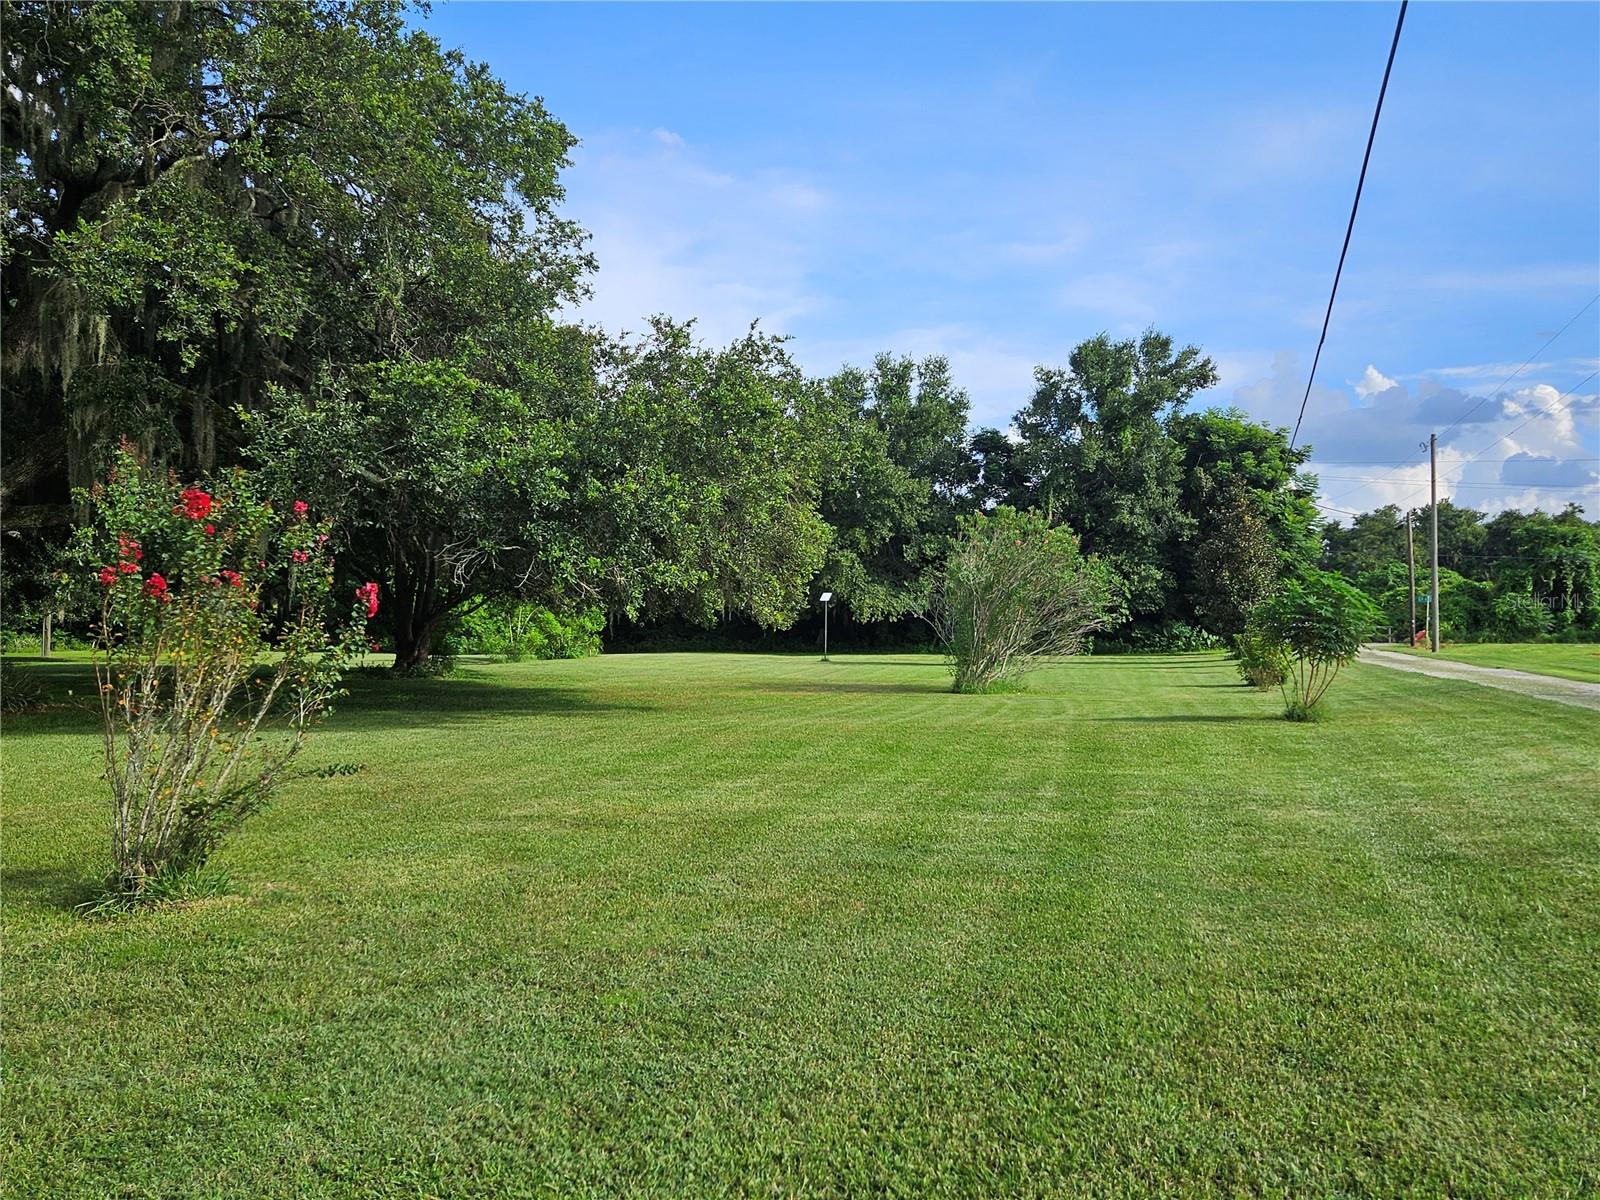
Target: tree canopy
[{"x": 310, "y": 239}]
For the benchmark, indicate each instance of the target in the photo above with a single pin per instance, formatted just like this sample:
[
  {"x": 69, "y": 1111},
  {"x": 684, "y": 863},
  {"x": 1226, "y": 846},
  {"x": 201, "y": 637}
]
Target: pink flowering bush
[{"x": 215, "y": 658}]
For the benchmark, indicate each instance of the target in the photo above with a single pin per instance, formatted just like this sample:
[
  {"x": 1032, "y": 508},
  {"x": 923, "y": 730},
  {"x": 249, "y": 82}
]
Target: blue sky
[{"x": 997, "y": 182}]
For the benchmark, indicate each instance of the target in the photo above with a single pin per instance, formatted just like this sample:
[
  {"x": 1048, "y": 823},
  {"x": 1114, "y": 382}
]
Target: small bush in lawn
[
  {"x": 1298, "y": 712},
  {"x": 1263, "y": 661},
  {"x": 20, "y": 690},
  {"x": 1016, "y": 591},
  {"x": 213, "y": 660},
  {"x": 1321, "y": 620}
]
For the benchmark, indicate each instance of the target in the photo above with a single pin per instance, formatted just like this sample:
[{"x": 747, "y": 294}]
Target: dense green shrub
[
  {"x": 20, "y": 690},
  {"x": 1016, "y": 591},
  {"x": 1321, "y": 620},
  {"x": 1263, "y": 661},
  {"x": 518, "y": 631},
  {"x": 26, "y": 640},
  {"x": 1170, "y": 637}
]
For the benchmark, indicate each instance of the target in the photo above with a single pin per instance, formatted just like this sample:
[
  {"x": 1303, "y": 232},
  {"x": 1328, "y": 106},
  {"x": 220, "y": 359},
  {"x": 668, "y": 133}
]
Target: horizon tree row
[{"x": 309, "y": 240}]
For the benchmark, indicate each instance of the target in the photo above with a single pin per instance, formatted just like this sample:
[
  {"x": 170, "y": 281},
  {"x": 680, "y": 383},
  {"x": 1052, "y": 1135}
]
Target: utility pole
[
  {"x": 1433, "y": 498},
  {"x": 1411, "y": 578}
]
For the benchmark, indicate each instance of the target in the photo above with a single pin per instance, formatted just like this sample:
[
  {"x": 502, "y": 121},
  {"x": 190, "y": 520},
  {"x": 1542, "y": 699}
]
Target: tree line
[
  {"x": 1512, "y": 576},
  {"x": 310, "y": 240}
]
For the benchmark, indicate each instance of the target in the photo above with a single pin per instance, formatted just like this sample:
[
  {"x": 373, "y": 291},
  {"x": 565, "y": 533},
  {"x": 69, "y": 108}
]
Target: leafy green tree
[
  {"x": 1224, "y": 453},
  {"x": 1235, "y": 564},
  {"x": 698, "y": 477},
  {"x": 645, "y": 477},
  {"x": 999, "y": 470},
  {"x": 228, "y": 197},
  {"x": 1461, "y": 536},
  {"x": 1369, "y": 545},
  {"x": 450, "y": 490},
  {"x": 897, "y": 477},
  {"x": 1322, "y": 620},
  {"x": 1558, "y": 558},
  {"x": 1103, "y": 457}
]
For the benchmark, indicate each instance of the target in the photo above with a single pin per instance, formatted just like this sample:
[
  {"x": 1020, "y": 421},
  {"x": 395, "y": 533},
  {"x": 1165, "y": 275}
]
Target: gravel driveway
[{"x": 1542, "y": 687}]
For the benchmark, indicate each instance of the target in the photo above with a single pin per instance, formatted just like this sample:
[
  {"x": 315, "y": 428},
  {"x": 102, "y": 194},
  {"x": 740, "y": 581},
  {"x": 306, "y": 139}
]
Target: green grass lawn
[
  {"x": 1541, "y": 658},
  {"x": 704, "y": 925}
]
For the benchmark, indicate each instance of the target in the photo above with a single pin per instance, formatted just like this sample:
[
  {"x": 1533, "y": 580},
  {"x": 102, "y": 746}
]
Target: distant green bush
[
  {"x": 26, "y": 640},
  {"x": 1518, "y": 616},
  {"x": 1263, "y": 660},
  {"x": 20, "y": 690},
  {"x": 1176, "y": 637},
  {"x": 518, "y": 631}
]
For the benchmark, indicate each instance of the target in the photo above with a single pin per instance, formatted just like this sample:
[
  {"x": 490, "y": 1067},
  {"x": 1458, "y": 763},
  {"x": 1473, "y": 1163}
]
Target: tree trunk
[
  {"x": 413, "y": 644},
  {"x": 415, "y": 609}
]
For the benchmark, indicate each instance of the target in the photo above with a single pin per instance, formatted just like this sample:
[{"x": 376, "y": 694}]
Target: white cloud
[
  {"x": 1372, "y": 382},
  {"x": 1371, "y": 447},
  {"x": 674, "y": 234}
]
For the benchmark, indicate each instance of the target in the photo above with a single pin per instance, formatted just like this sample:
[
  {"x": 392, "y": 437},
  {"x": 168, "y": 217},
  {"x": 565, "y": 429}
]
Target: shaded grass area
[
  {"x": 710, "y": 924},
  {"x": 1580, "y": 662}
]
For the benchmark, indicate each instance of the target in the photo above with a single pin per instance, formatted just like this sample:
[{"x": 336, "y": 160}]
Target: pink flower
[
  {"x": 156, "y": 587},
  {"x": 376, "y": 647},
  {"x": 127, "y": 568},
  {"x": 367, "y": 594},
  {"x": 107, "y": 576},
  {"x": 233, "y": 578},
  {"x": 299, "y": 556},
  {"x": 196, "y": 504},
  {"x": 301, "y": 508},
  {"x": 128, "y": 548},
  {"x": 210, "y": 529}
]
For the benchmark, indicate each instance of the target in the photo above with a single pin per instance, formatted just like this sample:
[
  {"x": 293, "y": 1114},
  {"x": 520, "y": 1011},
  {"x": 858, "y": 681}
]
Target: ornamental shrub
[
  {"x": 1321, "y": 621},
  {"x": 1263, "y": 661},
  {"x": 1016, "y": 591},
  {"x": 213, "y": 658},
  {"x": 20, "y": 690}
]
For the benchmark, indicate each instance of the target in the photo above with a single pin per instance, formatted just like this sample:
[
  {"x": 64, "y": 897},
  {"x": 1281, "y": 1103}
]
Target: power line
[
  {"x": 1350, "y": 228},
  {"x": 1543, "y": 412},
  {"x": 1406, "y": 462},
  {"x": 1520, "y": 487},
  {"x": 1460, "y": 462},
  {"x": 1482, "y": 400},
  {"x": 1330, "y": 508}
]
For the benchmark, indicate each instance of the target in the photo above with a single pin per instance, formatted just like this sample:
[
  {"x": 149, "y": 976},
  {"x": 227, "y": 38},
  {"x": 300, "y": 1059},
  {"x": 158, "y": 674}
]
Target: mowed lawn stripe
[{"x": 704, "y": 924}]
